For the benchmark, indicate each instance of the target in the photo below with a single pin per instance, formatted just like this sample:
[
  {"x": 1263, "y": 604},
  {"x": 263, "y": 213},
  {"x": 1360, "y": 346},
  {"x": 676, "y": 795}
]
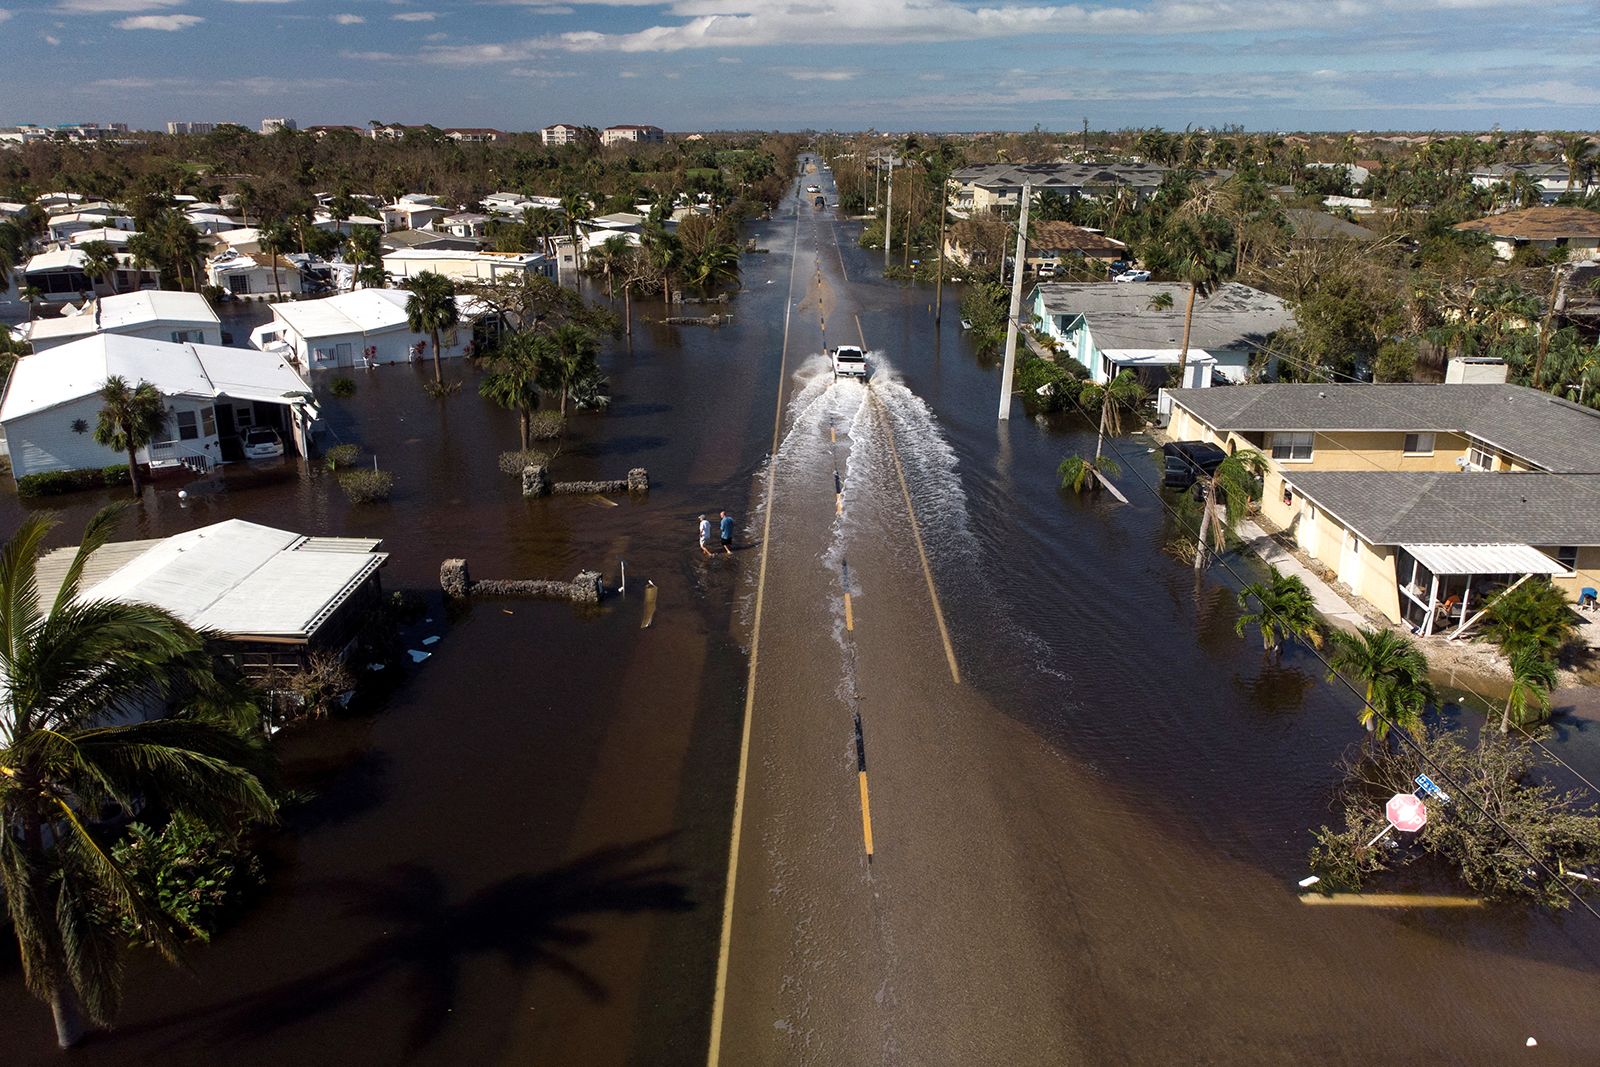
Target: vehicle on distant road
[
  {"x": 813, "y": 188},
  {"x": 261, "y": 442},
  {"x": 819, "y": 202},
  {"x": 1132, "y": 276},
  {"x": 849, "y": 362}
]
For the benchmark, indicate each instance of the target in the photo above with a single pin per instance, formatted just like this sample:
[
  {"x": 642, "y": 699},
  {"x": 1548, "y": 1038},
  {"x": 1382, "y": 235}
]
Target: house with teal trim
[{"x": 1110, "y": 327}]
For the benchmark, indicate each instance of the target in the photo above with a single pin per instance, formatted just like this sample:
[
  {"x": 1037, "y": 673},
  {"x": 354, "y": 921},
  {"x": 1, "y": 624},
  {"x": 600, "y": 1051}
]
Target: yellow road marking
[
  {"x": 1391, "y": 900},
  {"x": 849, "y": 616},
  {"x": 838, "y": 503},
  {"x": 860, "y": 332},
  {"x": 866, "y": 813},
  {"x": 720, "y": 993}
]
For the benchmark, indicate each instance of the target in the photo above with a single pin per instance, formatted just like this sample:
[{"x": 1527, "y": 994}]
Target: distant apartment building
[
  {"x": 631, "y": 134},
  {"x": 24, "y": 132},
  {"x": 273, "y": 125},
  {"x": 563, "y": 133},
  {"x": 184, "y": 129}
]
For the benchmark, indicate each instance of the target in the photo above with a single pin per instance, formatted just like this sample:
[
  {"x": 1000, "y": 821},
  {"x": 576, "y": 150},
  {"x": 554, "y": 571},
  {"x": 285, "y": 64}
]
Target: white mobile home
[
  {"x": 363, "y": 328},
  {"x": 466, "y": 265},
  {"x": 157, "y": 315}
]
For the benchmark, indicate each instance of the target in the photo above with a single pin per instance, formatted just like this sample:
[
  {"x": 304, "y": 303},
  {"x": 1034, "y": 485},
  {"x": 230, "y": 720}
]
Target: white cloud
[
  {"x": 51, "y": 39},
  {"x": 4, "y": 14},
  {"x": 415, "y": 16},
  {"x": 821, "y": 75},
  {"x": 170, "y": 23},
  {"x": 349, "y": 20},
  {"x": 436, "y": 37}
]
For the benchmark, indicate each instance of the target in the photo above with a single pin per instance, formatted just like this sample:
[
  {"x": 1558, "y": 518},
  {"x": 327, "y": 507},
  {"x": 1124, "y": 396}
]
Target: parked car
[
  {"x": 849, "y": 362},
  {"x": 1133, "y": 276},
  {"x": 813, "y": 188},
  {"x": 1183, "y": 462},
  {"x": 261, "y": 442}
]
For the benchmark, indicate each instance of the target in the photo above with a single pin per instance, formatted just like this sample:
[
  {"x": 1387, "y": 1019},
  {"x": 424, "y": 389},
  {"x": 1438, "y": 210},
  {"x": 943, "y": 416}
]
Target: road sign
[
  {"x": 1406, "y": 811},
  {"x": 1426, "y": 787}
]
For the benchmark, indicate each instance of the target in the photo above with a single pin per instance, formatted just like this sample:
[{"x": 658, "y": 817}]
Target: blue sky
[{"x": 790, "y": 64}]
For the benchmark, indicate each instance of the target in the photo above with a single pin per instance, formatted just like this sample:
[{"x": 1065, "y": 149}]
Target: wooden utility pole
[
  {"x": 938, "y": 276},
  {"x": 1016, "y": 304}
]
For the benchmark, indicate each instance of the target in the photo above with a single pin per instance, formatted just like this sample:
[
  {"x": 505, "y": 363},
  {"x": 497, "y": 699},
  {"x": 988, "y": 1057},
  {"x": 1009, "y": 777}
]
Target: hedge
[{"x": 50, "y": 483}]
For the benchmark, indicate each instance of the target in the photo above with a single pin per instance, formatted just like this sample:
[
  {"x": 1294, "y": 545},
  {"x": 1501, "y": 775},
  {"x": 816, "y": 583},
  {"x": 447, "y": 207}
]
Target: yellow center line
[
  {"x": 866, "y": 814},
  {"x": 849, "y": 616},
  {"x": 720, "y": 993}
]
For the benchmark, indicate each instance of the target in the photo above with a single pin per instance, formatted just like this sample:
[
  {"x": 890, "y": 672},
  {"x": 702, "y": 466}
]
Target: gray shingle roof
[
  {"x": 1403, "y": 507},
  {"x": 1544, "y": 430},
  {"x": 1233, "y": 316}
]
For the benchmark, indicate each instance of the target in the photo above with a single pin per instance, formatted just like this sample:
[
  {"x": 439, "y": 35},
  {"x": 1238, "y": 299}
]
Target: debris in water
[
  {"x": 417, "y": 656},
  {"x": 1532, "y": 1042},
  {"x": 1307, "y": 883},
  {"x": 431, "y": 640},
  {"x": 506, "y": 611},
  {"x": 374, "y": 666}
]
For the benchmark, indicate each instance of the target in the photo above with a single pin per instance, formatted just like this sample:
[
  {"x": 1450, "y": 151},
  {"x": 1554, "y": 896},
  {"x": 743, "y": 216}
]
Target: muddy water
[{"x": 519, "y": 856}]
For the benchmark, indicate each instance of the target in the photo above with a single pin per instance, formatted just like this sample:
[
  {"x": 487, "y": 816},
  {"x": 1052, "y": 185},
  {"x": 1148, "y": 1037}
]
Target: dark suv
[{"x": 1183, "y": 462}]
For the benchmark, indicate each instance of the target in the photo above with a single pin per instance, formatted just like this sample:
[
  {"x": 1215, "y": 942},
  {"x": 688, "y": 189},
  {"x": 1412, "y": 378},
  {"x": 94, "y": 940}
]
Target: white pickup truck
[{"x": 849, "y": 362}]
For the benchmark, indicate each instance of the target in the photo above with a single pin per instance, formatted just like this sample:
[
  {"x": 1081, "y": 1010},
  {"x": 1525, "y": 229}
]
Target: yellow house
[{"x": 1423, "y": 499}]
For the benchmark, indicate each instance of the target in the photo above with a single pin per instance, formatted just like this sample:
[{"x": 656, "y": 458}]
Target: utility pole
[
  {"x": 938, "y": 276},
  {"x": 1016, "y": 304},
  {"x": 888, "y": 213},
  {"x": 1558, "y": 302}
]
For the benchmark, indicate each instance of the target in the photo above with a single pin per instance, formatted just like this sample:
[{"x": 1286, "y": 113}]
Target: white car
[
  {"x": 849, "y": 362},
  {"x": 262, "y": 443},
  {"x": 1133, "y": 276},
  {"x": 813, "y": 188}
]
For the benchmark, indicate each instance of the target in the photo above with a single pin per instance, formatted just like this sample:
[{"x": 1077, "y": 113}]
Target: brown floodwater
[{"x": 518, "y": 855}]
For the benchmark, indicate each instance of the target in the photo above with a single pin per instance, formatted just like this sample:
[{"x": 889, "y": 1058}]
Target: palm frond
[{"x": 95, "y": 536}]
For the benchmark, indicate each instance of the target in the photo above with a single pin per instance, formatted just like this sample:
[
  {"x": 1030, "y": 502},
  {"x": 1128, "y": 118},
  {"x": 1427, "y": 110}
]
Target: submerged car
[
  {"x": 849, "y": 362},
  {"x": 262, "y": 443}
]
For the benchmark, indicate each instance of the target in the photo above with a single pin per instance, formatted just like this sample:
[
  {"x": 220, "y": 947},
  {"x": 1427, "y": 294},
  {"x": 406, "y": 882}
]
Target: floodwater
[{"x": 1086, "y": 851}]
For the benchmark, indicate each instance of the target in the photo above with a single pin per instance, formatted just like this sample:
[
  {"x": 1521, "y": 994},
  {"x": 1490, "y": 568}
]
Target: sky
[{"x": 807, "y": 64}]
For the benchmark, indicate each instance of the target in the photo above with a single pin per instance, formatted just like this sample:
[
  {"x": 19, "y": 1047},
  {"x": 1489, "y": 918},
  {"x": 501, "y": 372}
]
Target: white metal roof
[
  {"x": 464, "y": 255},
  {"x": 110, "y": 235},
  {"x": 128, "y": 311},
  {"x": 241, "y": 579},
  {"x": 361, "y": 311},
  {"x": 56, "y": 259},
  {"x": 1155, "y": 357},
  {"x": 80, "y": 368},
  {"x": 1485, "y": 559}
]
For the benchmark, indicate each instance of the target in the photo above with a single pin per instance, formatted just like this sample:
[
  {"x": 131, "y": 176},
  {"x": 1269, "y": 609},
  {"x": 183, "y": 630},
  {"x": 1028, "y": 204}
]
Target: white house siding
[
  {"x": 387, "y": 346},
  {"x": 45, "y": 440},
  {"x": 198, "y": 333}
]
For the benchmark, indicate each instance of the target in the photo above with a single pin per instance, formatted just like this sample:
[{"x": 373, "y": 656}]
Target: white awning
[{"x": 1485, "y": 559}]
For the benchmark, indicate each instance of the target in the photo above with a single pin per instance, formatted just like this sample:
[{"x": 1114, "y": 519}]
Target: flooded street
[{"x": 1089, "y": 800}]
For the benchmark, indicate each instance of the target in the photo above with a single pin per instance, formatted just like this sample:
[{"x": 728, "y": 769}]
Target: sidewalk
[{"x": 1329, "y": 604}]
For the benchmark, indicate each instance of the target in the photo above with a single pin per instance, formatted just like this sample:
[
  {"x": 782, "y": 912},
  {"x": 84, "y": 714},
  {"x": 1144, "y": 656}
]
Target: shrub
[
  {"x": 343, "y": 388},
  {"x": 50, "y": 483},
  {"x": 546, "y": 425},
  {"x": 191, "y": 872},
  {"x": 514, "y": 461},
  {"x": 367, "y": 487},
  {"x": 342, "y": 456},
  {"x": 1535, "y": 615},
  {"x": 314, "y": 690},
  {"x": 440, "y": 390}
]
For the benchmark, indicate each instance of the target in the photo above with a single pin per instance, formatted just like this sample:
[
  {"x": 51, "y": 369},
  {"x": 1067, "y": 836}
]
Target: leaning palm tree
[
  {"x": 1283, "y": 608},
  {"x": 1395, "y": 674},
  {"x": 1224, "y": 495},
  {"x": 1079, "y": 473},
  {"x": 431, "y": 309},
  {"x": 513, "y": 377},
  {"x": 131, "y": 417},
  {"x": 73, "y": 751},
  {"x": 1533, "y": 675}
]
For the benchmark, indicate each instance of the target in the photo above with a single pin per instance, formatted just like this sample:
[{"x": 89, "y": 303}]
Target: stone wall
[
  {"x": 457, "y": 583},
  {"x": 536, "y": 483}
]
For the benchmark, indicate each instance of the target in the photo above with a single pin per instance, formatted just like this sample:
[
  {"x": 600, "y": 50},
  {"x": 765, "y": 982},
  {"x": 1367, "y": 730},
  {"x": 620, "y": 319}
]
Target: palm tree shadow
[{"x": 527, "y": 920}]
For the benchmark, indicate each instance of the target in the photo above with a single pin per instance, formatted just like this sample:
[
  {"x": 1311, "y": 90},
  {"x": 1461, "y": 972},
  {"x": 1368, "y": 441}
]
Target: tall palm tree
[
  {"x": 569, "y": 361},
  {"x": 364, "y": 254},
  {"x": 1395, "y": 674},
  {"x": 575, "y": 206},
  {"x": 1533, "y": 675},
  {"x": 1202, "y": 247},
  {"x": 99, "y": 261},
  {"x": 611, "y": 259},
  {"x": 276, "y": 238},
  {"x": 431, "y": 309},
  {"x": 131, "y": 417},
  {"x": 74, "y": 672},
  {"x": 717, "y": 264},
  {"x": 513, "y": 377},
  {"x": 1575, "y": 153},
  {"x": 31, "y": 295},
  {"x": 1224, "y": 495},
  {"x": 1283, "y": 608},
  {"x": 665, "y": 254}
]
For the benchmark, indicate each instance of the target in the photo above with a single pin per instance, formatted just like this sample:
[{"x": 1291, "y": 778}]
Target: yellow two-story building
[{"x": 1423, "y": 499}]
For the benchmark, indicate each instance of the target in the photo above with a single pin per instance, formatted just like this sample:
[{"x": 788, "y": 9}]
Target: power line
[{"x": 1405, "y": 738}]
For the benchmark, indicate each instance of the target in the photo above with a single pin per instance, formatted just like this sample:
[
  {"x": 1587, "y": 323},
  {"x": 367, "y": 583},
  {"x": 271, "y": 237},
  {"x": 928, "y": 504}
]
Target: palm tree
[
  {"x": 1575, "y": 153},
  {"x": 99, "y": 261},
  {"x": 611, "y": 259},
  {"x": 31, "y": 294},
  {"x": 569, "y": 361},
  {"x": 1202, "y": 247},
  {"x": 1533, "y": 675},
  {"x": 1161, "y": 302},
  {"x": 130, "y": 419},
  {"x": 431, "y": 309},
  {"x": 74, "y": 671},
  {"x": 275, "y": 237},
  {"x": 717, "y": 264},
  {"x": 513, "y": 378},
  {"x": 1284, "y": 609},
  {"x": 1232, "y": 485},
  {"x": 1395, "y": 674},
  {"x": 665, "y": 255},
  {"x": 575, "y": 206},
  {"x": 365, "y": 254},
  {"x": 1079, "y": 473},
  {"x": 542, "y": 223}
]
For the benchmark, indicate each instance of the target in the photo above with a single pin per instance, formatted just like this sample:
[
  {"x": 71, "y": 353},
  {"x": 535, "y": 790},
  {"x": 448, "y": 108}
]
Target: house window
[
  {"x": 1479, "y": 460},
  {"x": 1295, "y": 447},
  {"x": 1568, "y": 557},
  {"x": 208, "y": 421},
  {"x": 1419, "y": 444},
  {"x": 188, "y": 430},
  {"x": 188, "y": 337},
  {"x": 242, "y": 416}
]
